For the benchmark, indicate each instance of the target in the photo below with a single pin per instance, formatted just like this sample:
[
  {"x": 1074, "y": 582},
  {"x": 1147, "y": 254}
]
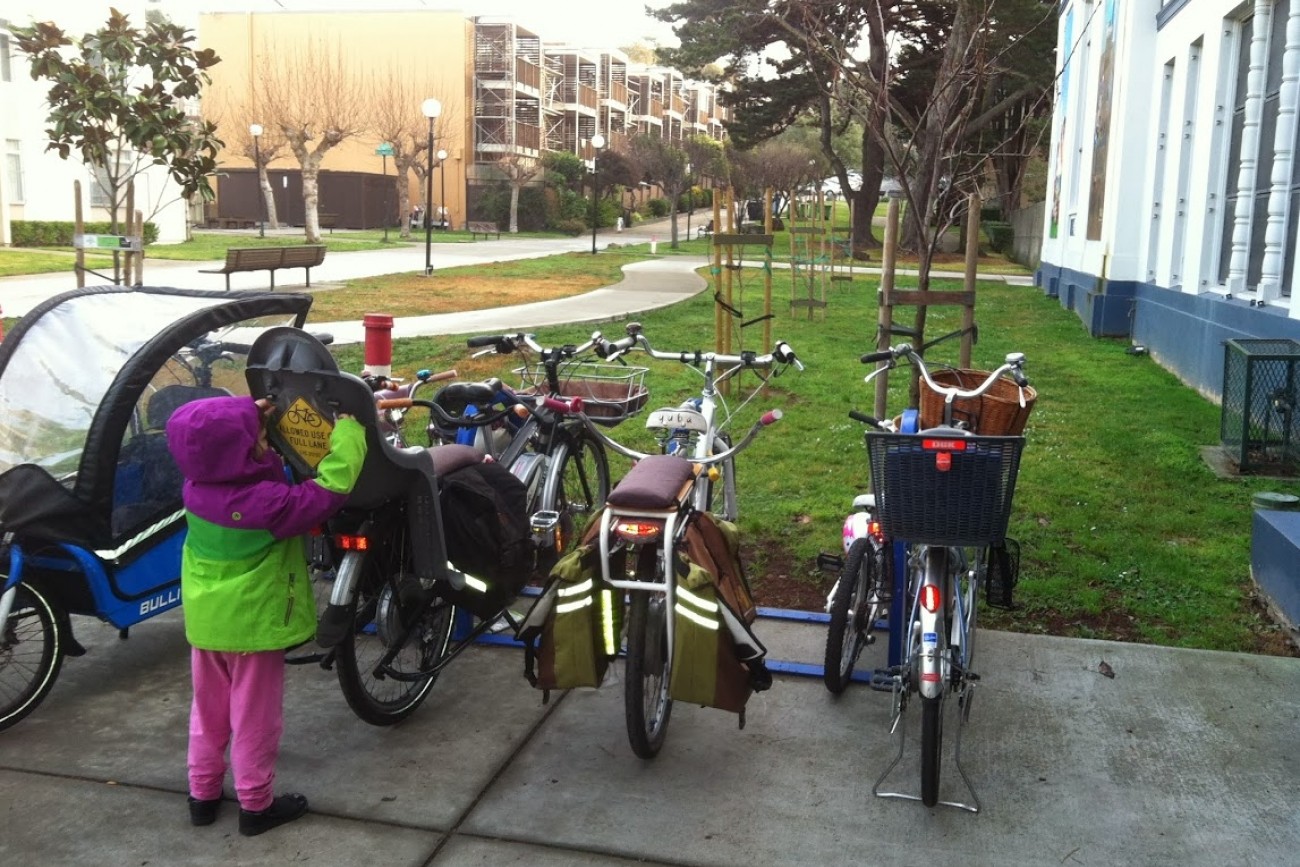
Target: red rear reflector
[
  {"x": 957, "y": 445},
  {"x": 930, "y": 598},
  {"x": 352, "y": 543},
  {"x": 638, "y": 531},
  {"x": 943, "y": 462},
  {"x": 930, "y": 678},
  {"x": 874, "y": 531}
]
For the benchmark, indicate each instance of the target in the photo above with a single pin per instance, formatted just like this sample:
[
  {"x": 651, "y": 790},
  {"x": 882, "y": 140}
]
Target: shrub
[
  {"x": 58, "y": 233},
  {"x": 1001, "y": 236},
  {"x": 571, "y": 227},
  {"x": 658, "y": 207}
]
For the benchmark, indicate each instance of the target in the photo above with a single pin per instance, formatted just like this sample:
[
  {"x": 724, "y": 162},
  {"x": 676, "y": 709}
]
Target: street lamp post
[
  {"x": 597, "y": 142},
  {"x": 385, "y": 150},
  {"x": 256, "y": 131},
  {"x": 690, "y": 192},
  {"x": 431, "y": 109},
  {"x": 442, "y": 207}
]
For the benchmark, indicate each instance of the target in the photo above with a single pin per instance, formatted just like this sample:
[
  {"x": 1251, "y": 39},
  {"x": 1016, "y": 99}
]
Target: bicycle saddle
[
  {"x": 657, "y": 482},
  {"x": 455, "y": 397}
]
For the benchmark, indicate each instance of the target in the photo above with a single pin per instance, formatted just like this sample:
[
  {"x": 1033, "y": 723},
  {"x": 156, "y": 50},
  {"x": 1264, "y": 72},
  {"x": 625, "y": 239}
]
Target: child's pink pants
[{"x": 238, "y": 702}]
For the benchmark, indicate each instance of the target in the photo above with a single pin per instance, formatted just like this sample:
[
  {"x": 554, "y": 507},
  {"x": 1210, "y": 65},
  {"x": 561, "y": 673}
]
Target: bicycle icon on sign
[{"x": 303, "y": 415}]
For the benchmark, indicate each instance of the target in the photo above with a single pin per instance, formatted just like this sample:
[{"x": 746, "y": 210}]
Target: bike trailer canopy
[{"x": 87, "y": 381}]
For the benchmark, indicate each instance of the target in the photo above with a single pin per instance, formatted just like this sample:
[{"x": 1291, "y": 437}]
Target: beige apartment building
[{"x": 504, "y": 90}]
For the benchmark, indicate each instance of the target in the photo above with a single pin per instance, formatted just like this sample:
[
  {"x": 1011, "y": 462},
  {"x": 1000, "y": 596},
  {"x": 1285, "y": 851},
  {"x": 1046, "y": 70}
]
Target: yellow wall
[{"x": 431, "y": 50}]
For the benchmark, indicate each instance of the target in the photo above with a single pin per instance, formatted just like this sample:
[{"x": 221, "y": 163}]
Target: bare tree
[
  {"x": 234, "y": 123},
  {"x": 783, "y": 166},
  {"x": 314, "y": 102},
  {"x": 665, "y": 165},
  {"x": 519, "y": 171},
  {"x": 394, "y": 102}
]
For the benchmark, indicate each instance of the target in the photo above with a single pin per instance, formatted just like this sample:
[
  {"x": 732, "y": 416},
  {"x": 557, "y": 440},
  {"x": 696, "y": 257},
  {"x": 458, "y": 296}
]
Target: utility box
[{"x": 1259, "y": 428}]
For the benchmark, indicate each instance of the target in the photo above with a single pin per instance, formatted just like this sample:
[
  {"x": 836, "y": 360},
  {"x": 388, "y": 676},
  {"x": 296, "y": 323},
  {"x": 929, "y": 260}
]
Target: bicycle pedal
[{"x": 830, "y": 563}]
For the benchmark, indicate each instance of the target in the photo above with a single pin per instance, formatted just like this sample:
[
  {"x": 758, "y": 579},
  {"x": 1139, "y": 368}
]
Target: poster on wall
[
  {"x": 1101, "y": 135},
  {"x": 1062, "y": 112}
]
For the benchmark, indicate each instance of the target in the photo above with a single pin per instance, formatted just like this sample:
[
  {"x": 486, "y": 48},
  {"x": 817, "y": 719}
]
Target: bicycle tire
[
  {"x": 849, "y": 626},
  {"x": 386, "y": 701},
  {"x": 647, "y": 706},
  {"x": 31, "y": 654},
  {"x": 931, "y": 748},
  {"x": 577, "y": 484}
]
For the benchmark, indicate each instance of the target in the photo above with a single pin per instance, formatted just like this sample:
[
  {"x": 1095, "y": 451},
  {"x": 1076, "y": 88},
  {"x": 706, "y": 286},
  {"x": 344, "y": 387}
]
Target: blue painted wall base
[{"x": 1275, "y": 563}]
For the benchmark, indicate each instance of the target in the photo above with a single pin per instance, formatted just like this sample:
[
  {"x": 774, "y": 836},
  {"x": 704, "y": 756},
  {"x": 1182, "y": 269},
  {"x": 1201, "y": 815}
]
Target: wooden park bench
[
  {"x": 270, "y": 259},
  {"x": 484, "y": 228}
]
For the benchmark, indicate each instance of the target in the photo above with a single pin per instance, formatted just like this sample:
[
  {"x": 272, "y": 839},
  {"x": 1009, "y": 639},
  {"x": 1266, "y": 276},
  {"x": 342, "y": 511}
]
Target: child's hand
[
  {"x": 344, "y": 415},
  {"x": 265, "y": 407}
]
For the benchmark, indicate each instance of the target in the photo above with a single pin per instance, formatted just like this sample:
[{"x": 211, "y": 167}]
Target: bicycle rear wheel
[
  {"x": 647, "y": 706},
  {"x": 931, "y": 748},
  {"x": 385, "y": 606},
  {"x": 31, "y": 654}
]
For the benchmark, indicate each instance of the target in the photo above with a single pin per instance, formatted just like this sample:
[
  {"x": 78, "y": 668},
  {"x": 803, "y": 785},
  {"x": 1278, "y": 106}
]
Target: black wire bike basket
[{"x": 944, "y": 490}]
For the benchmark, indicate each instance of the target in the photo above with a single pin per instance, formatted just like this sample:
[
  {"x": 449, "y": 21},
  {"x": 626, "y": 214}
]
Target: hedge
[
  {"x": 1001, "y": 236},
  {"x": 58, "y": 233}
]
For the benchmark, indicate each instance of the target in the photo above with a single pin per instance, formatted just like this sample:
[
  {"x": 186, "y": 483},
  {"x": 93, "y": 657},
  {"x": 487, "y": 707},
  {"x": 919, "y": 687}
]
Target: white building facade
[
  {"x": 35, "y": 184},
  {"x": 1173, "y": 211}
]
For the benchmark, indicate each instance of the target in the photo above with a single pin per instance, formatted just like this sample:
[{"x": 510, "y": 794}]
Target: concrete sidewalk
[{"x": 1182, "y": 758}]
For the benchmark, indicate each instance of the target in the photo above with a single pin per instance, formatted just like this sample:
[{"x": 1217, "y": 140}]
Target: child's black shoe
[
  {"x": 203, "y": 812},
  {"x": 284, "y": 808}
]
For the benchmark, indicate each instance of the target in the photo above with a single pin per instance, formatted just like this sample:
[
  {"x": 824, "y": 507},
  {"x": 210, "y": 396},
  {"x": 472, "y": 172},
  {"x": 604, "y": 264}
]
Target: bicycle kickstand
[{"x": 899, "y": 692}]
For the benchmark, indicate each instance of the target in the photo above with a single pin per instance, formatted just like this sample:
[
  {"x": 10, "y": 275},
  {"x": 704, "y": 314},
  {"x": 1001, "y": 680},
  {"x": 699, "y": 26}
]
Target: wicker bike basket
[
  {"x": 997, "y": 412},
  {"x": 610, "y": 393}
]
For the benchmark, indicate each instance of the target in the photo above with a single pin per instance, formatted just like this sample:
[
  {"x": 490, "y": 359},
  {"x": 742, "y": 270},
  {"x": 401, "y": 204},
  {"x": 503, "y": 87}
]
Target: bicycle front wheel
[
  {"x": 577, "y": 483},
  {"x": 385, "y": 606},
  {"x": 647, "y": 706},
  {"x": 31, "y": 654},
  {"x": 852, "y": 615}
]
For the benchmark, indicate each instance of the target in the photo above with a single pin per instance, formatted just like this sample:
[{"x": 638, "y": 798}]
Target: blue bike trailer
[{"x": 88, "y": 379}]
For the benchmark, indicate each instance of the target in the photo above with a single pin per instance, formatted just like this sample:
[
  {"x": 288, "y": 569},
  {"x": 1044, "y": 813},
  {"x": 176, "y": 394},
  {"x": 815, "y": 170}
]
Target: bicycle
[
  {"x": 860, "y": 594},
  {"x": 646, "y": 519},
  {"x": 944, "y": 496},
  {"x": 564, "y": 466}
]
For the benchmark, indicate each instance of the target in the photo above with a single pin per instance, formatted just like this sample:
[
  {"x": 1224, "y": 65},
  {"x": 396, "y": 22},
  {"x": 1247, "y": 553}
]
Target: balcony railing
[
  {"x": 494, "y": 134},
  {"x": 528, "y": 74},
  {"x": 617, "y": 92}
]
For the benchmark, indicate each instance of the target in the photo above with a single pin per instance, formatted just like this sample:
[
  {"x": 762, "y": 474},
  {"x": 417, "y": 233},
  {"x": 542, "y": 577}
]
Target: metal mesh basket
[
  {"x": 944, "y": 491},
  {"x": 610, "y": 393}
]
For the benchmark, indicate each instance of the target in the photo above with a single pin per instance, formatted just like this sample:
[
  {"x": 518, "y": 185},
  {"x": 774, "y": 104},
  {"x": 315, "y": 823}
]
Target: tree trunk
[
  {"x": 403, "y": 184},
  {"x": 311, "y": 198},
  {"x": 514, "y": 207},
  {"x": 268, "y": 196},
  {"x": 672, "y": 212}
]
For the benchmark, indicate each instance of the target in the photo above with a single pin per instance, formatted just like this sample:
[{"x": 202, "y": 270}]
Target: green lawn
[{"x": 1125, "y": 533}]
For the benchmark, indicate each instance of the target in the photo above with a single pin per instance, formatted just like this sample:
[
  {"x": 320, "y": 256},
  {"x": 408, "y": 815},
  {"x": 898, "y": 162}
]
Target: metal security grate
[{"x": 1261, "y": 393}]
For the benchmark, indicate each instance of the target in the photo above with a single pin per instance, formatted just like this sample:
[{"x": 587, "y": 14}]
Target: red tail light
[
  {"x": 352, "y": 543},
  {"x": 638, "y": 532},
  {"x": 874, "y": 530},
  {"x": 953, "y": 445},
  {"x": 931, "y": 599}
]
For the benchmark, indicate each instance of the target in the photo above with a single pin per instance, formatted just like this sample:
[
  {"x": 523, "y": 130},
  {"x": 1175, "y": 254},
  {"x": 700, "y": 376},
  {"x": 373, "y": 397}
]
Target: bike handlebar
[
  {"x": 1013, "y": 365},
  {"x": 610, "y": 349},
  {"x": 768, "y": 418},
  {"x": 504, "y": 344}
]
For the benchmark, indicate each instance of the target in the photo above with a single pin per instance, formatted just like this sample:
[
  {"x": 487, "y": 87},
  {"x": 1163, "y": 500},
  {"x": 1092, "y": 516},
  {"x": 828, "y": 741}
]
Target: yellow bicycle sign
[{"x": 306, "y": 431}]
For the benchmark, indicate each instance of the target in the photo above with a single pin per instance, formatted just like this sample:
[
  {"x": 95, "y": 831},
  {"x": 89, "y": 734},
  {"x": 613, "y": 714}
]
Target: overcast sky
[{"x": 599, "y": 24}]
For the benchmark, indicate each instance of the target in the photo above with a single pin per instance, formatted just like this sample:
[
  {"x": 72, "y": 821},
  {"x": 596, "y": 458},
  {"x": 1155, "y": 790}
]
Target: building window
[
  {"x": 14, "y": 170},
  {"x": 6, "y": 72},
  {"x": 100, "y": 186}
]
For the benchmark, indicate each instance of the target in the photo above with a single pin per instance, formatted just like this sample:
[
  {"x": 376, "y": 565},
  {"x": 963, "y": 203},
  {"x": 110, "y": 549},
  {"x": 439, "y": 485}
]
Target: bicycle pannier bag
[
  {"x": 485, "y": 524},
  {"x": 573, "y": 629},
  {"x": 717, "y": 659}
]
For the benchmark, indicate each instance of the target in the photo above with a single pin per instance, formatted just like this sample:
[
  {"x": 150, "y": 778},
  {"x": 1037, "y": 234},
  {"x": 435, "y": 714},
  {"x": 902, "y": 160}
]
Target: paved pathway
[{"x": 646, "y": 285}]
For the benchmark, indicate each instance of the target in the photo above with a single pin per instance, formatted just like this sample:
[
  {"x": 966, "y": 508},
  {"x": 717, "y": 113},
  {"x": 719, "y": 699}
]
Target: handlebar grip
[
  {"x": 864, "y": 418},
  {"x": 563, "y": 407},
  {"x": 323, "y": 336},
  {"x": 882, "y": 355},
  {"x": 394, "y": 403},
  {"x": 772, "y": 416},
  {"x": 486, "y": 340},
  {"x": 438, "y": 377},
  {"x": 606, "y": 348}
]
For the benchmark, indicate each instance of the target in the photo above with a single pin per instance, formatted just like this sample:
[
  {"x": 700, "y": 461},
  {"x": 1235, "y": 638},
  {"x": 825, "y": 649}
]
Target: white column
[
  {"x": 1279, "y": 198},
  {"x": 1255, "y": 81}
]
